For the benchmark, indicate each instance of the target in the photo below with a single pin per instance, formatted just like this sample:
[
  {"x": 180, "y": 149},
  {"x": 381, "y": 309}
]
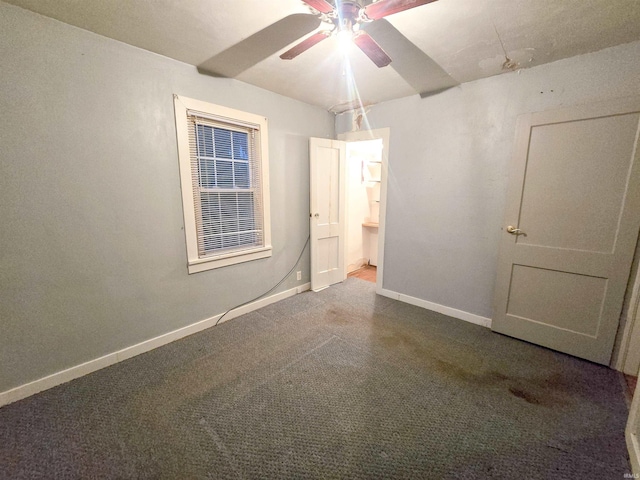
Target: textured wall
[
  {"x": 92, "y": 250},
  {"x": 448, "y": 170}
]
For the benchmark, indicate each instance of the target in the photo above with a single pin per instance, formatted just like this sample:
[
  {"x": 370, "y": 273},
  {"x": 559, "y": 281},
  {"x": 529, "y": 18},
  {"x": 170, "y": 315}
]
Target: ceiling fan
[
  {"x": 347, "y": 16},
  {"x": 360, "y": 21}
]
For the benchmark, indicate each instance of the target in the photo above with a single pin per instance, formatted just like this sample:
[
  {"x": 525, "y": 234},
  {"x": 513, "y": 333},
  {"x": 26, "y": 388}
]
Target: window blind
[{"x": 227, "y": 188}]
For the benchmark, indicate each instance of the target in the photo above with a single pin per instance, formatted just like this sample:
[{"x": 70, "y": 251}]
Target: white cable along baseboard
[
  {"x": 451, "y": 312},
  {"x": 58, "y": 378}
]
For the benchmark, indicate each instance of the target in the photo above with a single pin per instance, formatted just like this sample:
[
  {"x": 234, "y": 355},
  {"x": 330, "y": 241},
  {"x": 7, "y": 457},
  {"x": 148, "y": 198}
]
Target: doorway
[
  {"x": 329, "y": 203},
  {"x": 373, "y": 148},
  {"x": 363, "y": 182}
]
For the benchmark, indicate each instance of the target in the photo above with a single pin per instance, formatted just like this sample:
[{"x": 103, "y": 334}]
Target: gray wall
[
  {"x": 448, "y": 170},
  {"x": 92, "y": 251}
]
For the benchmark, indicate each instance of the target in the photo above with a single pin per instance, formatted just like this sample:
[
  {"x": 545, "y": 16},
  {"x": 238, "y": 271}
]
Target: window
[{"x": 224, "y": 175}]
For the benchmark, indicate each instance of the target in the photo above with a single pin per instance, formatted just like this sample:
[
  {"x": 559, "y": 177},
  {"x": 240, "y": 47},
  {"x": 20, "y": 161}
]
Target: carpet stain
[
  {"x": 400, "y": 342},
  {"x": 478, "y": 377},
  {"x": 548, "y": 391},
  {"x": 338, "y": 316},
  {"x": 526, "y": 396},
  {"x": 467, "y": 368}
]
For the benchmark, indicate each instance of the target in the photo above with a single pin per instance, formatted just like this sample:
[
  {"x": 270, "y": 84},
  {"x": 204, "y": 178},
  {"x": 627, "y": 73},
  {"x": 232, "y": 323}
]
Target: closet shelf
[{"x": 370, "y": 224}]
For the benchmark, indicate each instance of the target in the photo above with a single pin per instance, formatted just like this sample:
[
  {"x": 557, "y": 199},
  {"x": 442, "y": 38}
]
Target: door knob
[
  {"x": 317, "y": 215},
  {"x": 514, "y": 231}
]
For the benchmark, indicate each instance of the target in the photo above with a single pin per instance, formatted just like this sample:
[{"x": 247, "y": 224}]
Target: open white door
[
  {"x": 571, "y": 226},
  {"x": 327, "y": 217}
]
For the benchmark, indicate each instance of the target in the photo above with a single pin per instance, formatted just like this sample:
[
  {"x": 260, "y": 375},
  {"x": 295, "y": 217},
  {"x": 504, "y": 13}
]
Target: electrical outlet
[{"x": 298, "y": 275}]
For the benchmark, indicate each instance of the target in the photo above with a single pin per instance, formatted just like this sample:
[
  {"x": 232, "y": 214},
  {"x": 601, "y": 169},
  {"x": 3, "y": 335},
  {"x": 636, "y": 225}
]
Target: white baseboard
[
  {"x": 352, "y": 267},
  {"x": 452, "y": 312},
  {"x": 633, "y": 447},
  {"x": 58, "y": 378}
]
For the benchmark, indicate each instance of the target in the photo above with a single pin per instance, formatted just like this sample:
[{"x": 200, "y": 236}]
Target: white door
[
  {"x": 573, "y": 212},
  {"x": 328, "y": 160}
]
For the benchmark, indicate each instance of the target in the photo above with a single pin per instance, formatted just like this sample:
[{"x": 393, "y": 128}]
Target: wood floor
[{"x": 368, "y": 273}]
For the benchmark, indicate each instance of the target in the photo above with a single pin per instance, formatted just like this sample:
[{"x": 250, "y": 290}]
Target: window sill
[{"x": 203, "y": 264}]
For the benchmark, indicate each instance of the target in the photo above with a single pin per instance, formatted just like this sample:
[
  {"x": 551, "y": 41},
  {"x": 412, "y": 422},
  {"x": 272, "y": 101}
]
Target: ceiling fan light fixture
[
  {"x": 345, "y": 40},
  {"x": 346, "y": 16}
]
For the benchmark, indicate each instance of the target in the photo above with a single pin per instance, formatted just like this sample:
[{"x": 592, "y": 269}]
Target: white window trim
[{"x": 195, "y": 264}]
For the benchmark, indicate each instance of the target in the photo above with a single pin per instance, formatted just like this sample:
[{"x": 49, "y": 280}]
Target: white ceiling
[{"x": 465, "y": 37}]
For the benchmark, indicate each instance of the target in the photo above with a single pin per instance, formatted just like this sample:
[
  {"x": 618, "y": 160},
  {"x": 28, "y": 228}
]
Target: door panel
[
  {"x": 584, "y": 189},
  {"x": 574, "y": 195},
  {"x": 328, "y": 254},
  {"x": 573, "y": 301},
  {"x": 327, "y": 212}
]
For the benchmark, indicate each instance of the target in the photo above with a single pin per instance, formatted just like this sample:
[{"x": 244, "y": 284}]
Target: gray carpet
[{"x": 336, "y": 384}]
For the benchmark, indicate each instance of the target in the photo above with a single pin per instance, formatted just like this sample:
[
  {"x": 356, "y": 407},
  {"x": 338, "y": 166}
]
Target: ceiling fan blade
[
  {"x": 383, "y": 8},
  {"x": 412, "y": 64},
  {"x": 320, "y": 5},
  {"x": 255, "y": 48},
  {"x": 371, "y": 49},
  {"x": 305, "y": 45}
]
